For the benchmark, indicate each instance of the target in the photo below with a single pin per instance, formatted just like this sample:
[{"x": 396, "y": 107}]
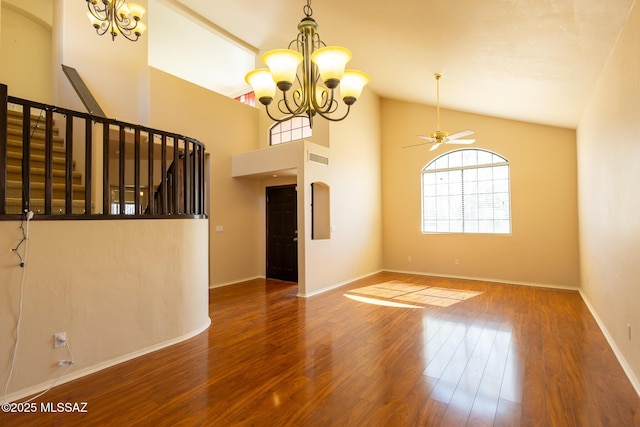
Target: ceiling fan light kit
[{"x": 440, "y": 137}]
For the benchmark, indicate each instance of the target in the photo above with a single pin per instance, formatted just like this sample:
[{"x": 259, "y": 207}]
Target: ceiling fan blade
[
  {"x": 436, "y": 145},
  {"x": 416, "y": 145},
  {"x": 428, "y": 138},
  {"x": 460, "y": 134},
  {"x": 461, "y": 141}
]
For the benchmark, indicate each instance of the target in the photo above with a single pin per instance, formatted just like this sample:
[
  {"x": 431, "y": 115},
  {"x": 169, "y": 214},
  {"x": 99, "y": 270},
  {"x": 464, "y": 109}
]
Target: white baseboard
[
  {"x": 486, "y": 279},
  {"x": 623, "y": 362},
  {"x": 103, "y": 365},
  {"x": 336, "y": 285},
  {"x": 234, "y": 282}
]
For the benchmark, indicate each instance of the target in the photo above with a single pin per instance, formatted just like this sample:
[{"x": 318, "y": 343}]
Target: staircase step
[
  {"x": 37, "y": 161},
  {"x": 15, "y": 122},
  {"x": 14, "y": 189},
  {"x": 37, "y": 147},
  {"x": 14, "y": 173},
  {"x": 16, "y": 134},
  {"x": 14, "y": 206}
]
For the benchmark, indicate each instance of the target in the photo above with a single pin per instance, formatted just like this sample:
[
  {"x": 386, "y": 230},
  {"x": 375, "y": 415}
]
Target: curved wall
[{"x": 118, "y": 288}]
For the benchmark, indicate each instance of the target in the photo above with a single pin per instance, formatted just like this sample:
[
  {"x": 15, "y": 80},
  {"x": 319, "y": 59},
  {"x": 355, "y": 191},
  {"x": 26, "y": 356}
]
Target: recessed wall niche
[{"x": 320, "y": 211}]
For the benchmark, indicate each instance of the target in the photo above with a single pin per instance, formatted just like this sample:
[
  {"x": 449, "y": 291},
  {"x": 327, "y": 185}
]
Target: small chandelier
[
  {"x": 323, "y": 71},
  {"x": 116, "y": 17}
]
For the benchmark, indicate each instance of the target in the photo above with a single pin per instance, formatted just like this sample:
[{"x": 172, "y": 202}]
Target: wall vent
[{"x": 317, "y": 158}]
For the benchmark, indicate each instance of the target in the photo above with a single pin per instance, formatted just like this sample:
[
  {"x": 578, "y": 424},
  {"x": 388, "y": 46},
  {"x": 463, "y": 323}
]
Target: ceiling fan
[{"x": 440, "y": 137}]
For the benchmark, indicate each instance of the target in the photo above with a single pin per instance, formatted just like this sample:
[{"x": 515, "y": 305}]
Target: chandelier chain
[{"x": 307, "y": 9}]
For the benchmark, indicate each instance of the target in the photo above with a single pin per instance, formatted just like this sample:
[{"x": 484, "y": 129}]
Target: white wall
[
  {"x": 609, "y": 200},
  {"x": 117, "y": 288}
]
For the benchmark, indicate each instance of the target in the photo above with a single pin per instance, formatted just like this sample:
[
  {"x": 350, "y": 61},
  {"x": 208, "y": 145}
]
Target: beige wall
[
  {"x": 353, "y": 175},
  {"x": 226, "y": 127},
  {"x": 26, "y": 75},
  {"x": 354, "y": 178},
  {"x": 609, "y": 173},
  {"x": 114, "y": 71},
  {"x": 117, "y": 288},
  {"x": 543, "y": 246}
]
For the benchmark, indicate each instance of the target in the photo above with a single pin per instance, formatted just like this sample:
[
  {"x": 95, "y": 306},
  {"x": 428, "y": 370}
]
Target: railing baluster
[
  {"x": 203, "y": 194},
  {"x": 196, "y": 180},
  {"x": 150, "y": 191},
  {"x": 121, "y": 164},
  {"x": 26, "y": 158},
  {"x": 187, "y": 181},
  {"x": 68, "y": 172},
  {"x": 106, "y": 189},
  {"x": 176, "y": 177},
  {"x": 88, "y": 160},
  {"x": 163, "y": 185},
  {"x": 136, "y": 171},
  {"x": 4, "y": 100},
  {"x": 48, "y": 165}
]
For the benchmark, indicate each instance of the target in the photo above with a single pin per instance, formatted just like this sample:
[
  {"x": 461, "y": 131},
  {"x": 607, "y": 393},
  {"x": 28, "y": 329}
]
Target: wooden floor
[{"x": 505, "y": 356}]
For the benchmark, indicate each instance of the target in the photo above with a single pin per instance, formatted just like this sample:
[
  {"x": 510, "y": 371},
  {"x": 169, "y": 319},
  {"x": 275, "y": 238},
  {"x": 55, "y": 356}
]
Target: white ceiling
[{"x": 531, "y": 60}]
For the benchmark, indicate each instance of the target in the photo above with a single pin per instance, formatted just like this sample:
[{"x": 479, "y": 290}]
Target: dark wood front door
[{"x": 282, "y": 233}]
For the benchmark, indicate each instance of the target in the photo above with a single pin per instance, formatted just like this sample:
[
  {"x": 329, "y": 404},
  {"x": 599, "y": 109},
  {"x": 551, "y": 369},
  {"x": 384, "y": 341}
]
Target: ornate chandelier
[
  {"x": 323, "y": 71},
  {"x": 116, "y": 17}
]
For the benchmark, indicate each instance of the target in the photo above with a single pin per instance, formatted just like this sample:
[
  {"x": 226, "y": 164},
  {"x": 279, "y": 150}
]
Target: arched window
[
  {"x": 466, "y": 191},
  {"x": 291, "y": 130}
]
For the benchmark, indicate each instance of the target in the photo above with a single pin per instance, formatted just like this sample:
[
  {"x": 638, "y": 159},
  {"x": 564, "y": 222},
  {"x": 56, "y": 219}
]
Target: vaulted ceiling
[{"x": 531, "y": 60}]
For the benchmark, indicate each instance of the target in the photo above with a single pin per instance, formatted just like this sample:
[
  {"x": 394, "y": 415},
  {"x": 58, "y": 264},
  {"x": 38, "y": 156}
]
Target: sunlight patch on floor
[{"x": 401, "y": 294}]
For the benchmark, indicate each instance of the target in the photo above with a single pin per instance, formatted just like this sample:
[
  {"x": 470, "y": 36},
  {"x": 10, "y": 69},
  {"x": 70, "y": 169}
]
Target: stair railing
[{"x": 142, "y": 172}]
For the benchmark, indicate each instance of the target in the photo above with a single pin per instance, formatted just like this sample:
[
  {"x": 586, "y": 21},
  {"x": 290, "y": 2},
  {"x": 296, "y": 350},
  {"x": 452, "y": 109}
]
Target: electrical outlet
[
  {"x": 409, "y": 258},
  {"x": 456, "y": 261},
  {"x": 59, "y": 339}
]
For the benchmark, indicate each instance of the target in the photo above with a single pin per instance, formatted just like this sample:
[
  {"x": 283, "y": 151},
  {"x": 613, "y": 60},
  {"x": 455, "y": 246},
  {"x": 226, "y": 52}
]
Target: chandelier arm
[
  {"x": 287, "y": 117},
  {"x": 300, "y": 108},
  {"x": 111, "y": 21},
  {"x": 334, "y": 119}
]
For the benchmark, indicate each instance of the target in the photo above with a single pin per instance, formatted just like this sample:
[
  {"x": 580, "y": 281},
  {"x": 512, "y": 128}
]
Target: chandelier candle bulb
[
  {"x": 352, "y": 84},
  {"x": 331, "y": 61},
  {"x": 283, "y": 64},
  {"x": 263, "y": 85}
]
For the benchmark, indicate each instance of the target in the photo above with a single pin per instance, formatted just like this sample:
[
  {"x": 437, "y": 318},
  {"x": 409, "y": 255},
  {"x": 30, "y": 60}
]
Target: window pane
[
  {"x": 501, "y": 172},
  {"x": 502, "y": 227},
  {"x": 501, "y": 185},
  {"x": 470, "y": 226},
  {"x": 455, "y": 159},
  {"x": 484, "y": 157},
  {"x": 291, "y": 130},
  {"x": 442, "y": 162},
  {"x": 469, "y": 157},
  {"x": 465, "y": 198},
  {"x": 471, "y": 207}
]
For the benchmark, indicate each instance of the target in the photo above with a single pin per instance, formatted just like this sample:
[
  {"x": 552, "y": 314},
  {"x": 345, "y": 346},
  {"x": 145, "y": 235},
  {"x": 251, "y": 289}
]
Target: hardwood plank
[{"x": 509, "y": 356}]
